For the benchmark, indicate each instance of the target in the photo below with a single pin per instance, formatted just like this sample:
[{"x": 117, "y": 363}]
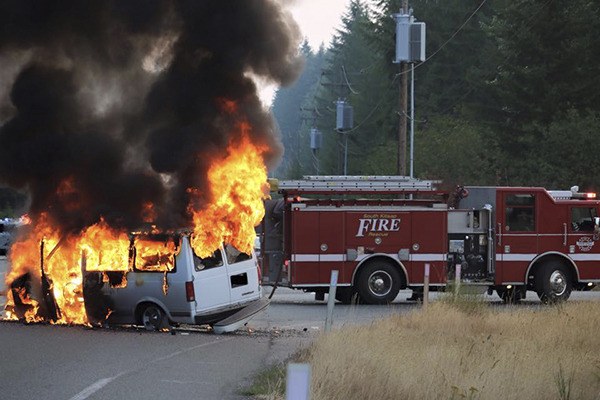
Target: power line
[{"x": 347, "y": 82}]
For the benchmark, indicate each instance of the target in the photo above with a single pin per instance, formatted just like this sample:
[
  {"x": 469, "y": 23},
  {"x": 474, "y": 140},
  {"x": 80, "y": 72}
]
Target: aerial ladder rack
[{"x": 314, "y": 184}]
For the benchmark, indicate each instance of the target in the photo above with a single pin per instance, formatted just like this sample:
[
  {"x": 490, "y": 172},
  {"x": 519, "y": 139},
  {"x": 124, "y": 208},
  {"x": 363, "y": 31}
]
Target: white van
[{"x": 222, "y": 290}]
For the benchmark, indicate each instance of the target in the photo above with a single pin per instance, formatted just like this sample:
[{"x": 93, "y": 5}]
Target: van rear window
[{"x": 234, "y": 255}]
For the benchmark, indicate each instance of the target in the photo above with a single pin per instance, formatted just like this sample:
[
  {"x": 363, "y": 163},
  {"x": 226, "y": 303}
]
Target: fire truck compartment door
[
  {"x": 317, "y": 245},
  {"x": 305, "y": 247}
]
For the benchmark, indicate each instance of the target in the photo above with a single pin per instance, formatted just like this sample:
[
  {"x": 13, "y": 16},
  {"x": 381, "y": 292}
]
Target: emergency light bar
[{"x": 571, "y": 194}]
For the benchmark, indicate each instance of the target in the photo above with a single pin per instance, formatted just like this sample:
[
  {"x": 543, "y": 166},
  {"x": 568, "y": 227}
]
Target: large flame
[{"x": 237, "y": 188}]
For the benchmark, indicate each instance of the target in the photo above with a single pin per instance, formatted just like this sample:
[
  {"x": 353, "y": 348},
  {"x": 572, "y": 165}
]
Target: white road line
[
  {"x": 90, "y": 390},
  {"x": 98, "y": 385}
]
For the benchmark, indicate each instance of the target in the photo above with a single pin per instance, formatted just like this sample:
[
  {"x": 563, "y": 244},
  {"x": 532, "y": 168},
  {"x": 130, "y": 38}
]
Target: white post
[
  {"x": 426, "y": 287},
  {"x": 331, "y": 299},
  {"x": 457, "y": 279},
  {"x": 298, "y": 382}
]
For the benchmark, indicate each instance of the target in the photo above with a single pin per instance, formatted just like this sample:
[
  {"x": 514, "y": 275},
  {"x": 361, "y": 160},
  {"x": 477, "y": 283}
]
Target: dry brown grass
[{"x": 450, "y": 353}]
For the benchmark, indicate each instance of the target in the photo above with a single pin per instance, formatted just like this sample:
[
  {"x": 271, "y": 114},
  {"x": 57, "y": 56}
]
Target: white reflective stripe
[
  {"x": 342, "y": 257},
  {"x": 530, "y": 257},
  {"x": 584, "y": 257},
  {"x": 427, "y": 257},
  {"x": 300, "y": 285},
  {"x": 515, "y": 257},
  {"x": 305, "y": 257}
]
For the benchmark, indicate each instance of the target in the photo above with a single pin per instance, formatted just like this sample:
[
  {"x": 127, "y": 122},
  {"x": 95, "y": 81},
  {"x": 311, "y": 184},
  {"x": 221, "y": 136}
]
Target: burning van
[{"x": 163, "y": 283}]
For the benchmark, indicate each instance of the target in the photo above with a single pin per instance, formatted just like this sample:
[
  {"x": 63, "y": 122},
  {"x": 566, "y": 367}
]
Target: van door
[
  {"x": 243, "y": 275},
  {"x": 211, "y": 282}
]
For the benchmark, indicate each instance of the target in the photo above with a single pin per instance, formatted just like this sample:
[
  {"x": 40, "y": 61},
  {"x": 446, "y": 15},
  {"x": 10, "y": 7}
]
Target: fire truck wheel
[
  {"x": 152, "y": 317},
  {"x": 555, "y": 283},
  {"x": 344, "y": 295},
  {"x": 378, "y": 282}
]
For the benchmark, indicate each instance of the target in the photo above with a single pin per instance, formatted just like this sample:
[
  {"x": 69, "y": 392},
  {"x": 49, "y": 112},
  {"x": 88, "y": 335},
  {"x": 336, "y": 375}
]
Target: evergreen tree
[
  {"x": 287, "y": 110},
  {"x": 352, "y": 74},
  {"x": 545, "y": 73}
]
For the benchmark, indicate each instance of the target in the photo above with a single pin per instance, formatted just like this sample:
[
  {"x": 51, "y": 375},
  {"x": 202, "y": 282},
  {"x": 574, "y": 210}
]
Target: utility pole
[
  {"x": 403, "y": 105},
  {"x": 410, "y": 48}
]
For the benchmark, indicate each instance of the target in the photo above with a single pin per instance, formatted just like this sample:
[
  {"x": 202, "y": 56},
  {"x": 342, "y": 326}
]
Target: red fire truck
[{"x": 379, "y": 232}]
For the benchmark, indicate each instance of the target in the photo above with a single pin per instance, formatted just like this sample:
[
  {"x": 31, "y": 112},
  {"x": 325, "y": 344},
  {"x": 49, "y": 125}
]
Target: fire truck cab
[{"x": 508, "y": 239}]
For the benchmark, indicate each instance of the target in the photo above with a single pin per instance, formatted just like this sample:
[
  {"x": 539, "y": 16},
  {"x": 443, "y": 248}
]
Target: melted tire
[{"x": 152, "y": 317}]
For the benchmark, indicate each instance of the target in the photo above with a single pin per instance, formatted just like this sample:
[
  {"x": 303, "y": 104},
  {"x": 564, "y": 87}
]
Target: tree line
[{"x": 508, "y": 94}]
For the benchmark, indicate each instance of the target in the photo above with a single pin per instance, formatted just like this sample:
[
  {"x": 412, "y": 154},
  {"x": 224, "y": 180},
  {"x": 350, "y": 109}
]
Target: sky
[{"x": 317, "y": 20}]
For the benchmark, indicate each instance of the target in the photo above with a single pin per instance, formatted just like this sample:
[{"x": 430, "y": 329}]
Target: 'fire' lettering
[{"x": 377, "y": 225}]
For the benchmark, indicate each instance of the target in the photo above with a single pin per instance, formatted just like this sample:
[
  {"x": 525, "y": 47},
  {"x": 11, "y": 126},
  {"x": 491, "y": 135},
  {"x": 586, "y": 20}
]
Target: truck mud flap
[{"x": 240, "y": 318}]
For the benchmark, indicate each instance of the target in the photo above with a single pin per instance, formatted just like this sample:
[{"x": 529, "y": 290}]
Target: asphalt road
[
  {"x": 77, "y": 363},
  {"x": 53, "y": 362}
]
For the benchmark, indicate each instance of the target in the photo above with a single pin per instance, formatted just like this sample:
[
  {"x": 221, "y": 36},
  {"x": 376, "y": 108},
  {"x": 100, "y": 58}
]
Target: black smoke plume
[{"x": 108, "y": 105}]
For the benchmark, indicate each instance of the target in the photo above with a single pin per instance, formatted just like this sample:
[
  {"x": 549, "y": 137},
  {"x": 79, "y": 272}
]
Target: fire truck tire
[
  {"x": 152, "y": 317},
  {"x": 379, "y": 282},
  {"x": 345, "y": 295},
  {"x": 554, "y": 283}
]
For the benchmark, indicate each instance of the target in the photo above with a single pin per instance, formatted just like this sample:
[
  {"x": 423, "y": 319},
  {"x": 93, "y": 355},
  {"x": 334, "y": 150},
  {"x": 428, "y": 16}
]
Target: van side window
[
  {"x": 234, "y": 255},
  {"x": 520, "y": 212},
  {"x": 155, "y": 255},
  {"x": 582, "y": 219},
  {"x": 213, "y": 261}
]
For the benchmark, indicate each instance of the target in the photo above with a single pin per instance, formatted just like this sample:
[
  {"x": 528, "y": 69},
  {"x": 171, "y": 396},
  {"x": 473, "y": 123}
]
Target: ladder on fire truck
[{"x": 372, "y": 183}]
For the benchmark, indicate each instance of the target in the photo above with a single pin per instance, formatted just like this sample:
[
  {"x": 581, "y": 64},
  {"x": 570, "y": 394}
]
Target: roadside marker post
[
  {"x": 298, "y": 382},
  {"x": 331, "y": 299},
  {"x": 457, "y": 280},
  {"x": 426, "y": 287}
]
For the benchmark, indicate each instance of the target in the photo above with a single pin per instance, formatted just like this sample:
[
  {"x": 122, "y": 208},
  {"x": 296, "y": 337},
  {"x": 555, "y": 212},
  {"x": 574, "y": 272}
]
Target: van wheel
[
  {"x": 554, "y": 283},
  {"x": 152, "y": 317},
  {"x": 379, "y": 282}
]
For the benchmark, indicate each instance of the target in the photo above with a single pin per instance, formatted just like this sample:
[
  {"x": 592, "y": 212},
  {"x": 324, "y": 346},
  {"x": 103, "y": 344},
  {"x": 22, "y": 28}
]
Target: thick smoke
[{"x": 108, "y": 105}]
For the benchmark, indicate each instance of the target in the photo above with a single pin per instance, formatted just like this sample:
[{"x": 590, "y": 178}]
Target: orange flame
[
  {"x": 238, "y": 186},
  {"x": 148, "y": 212},
  {"x": 152, "y": 255}
]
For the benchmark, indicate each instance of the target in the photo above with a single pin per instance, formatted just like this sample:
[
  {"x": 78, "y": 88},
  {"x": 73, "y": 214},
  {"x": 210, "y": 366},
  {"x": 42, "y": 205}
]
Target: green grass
[{"x": 268, "y": 384}]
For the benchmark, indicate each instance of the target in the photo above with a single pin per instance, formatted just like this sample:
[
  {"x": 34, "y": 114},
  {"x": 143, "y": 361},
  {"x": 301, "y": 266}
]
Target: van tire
[
  {"x": 378, "y": 282},
  {"x": 152, "y": 317}
]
